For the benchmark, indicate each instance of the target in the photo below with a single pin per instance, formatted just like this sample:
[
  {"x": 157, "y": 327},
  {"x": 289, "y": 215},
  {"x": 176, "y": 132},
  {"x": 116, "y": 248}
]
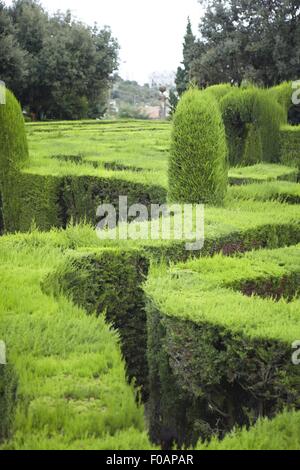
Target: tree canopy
[
  {"x": 57, "y": 67},
  {"x": 245, "y": 40}
]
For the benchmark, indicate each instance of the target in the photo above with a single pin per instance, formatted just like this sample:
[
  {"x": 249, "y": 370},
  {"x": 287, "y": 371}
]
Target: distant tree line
[
  {"x": 258, "y": 41},
  {"x": 131, "y": 98},
  {"x": 57, "y": 67}
]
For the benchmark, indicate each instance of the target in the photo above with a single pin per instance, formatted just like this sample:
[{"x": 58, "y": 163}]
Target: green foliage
[
  {"x": 251, "y": 115},
  {"x": 282, "y": 191},
  {"x": 110, "y": 281},
  {"x": 217, "y": 325},
  {"x": 253, "y": 148},
  {"x": 290, "y": 145},
  {"x": 282, "y": 433},
  {"x": 68, "y": 375},
  {"x": 58, "y": 188},
  {"x": 283, "y": 95},
  {"x": 13, "y": 158},
  {"x": 197, "y": 167},
  {"x": 173, "y": 101},
  {"x": 183, "y": 77},
  {"x": 130, "y": 92},
  {"x": 128, "y": 111},
  {"x": 57, "y": 66},
  {"x": 59, "y": 380},
  {"x": 221, "y": 90},
  {"x": 262, "y": 172},
  {"x": 12, "y": 57},
  {"x": 260, "y": 49}
]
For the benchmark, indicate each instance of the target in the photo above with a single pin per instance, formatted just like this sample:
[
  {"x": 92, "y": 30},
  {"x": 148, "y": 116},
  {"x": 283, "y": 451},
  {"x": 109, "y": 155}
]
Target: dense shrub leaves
[{"x": 197, "y": 167}]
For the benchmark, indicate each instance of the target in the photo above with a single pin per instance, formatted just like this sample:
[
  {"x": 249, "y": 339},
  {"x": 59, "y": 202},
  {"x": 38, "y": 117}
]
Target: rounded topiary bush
[
  {"x": 198, "y": 161},
  {"x": 252, "y": 120},
  {"x": 13, "y": 157}
]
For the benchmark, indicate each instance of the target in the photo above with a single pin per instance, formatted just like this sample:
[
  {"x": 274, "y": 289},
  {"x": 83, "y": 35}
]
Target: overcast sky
[{"x": 150, "y": 32}]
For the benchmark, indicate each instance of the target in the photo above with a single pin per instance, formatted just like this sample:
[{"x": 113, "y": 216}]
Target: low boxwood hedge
[
  {"x": 198, "y": 160},
  {"x": 282, "y": 191},
  {"x": 262, "y": 172},
  {"x": 290, "y": 146},
  {"x": 220, "y": 357},
  {"x": 281, "y": 433},
  {"x": 13, "y": 158}
]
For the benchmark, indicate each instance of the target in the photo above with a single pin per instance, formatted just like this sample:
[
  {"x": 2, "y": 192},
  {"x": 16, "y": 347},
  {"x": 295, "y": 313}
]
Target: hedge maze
[
  {"x": 221, "y": 332},
  {"x": 141, "y": 344}
]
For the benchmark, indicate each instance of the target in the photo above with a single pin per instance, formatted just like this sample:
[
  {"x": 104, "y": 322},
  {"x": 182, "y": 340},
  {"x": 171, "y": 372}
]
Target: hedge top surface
[
  {"x": 133, "y": 151},
  {"x": 283, "y": 191},
  {"x": 198, "y": 157},
  {"x": 72, "y": 389},
  {"x": 252, "y": 106},
  {"x": 138, "y": 146},
  {"x": 282, "y": 433},
  {"x": 283, "y": 95},
  {"x": 263, "y": 172},
  {"x": 237, "y": 218},
  {"x": 206, "y": 291},
  {"x": 13, "y": 142}
]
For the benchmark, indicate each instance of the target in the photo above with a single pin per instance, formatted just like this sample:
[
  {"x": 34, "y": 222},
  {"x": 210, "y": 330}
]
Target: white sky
[{"x": 150, "y": 32}]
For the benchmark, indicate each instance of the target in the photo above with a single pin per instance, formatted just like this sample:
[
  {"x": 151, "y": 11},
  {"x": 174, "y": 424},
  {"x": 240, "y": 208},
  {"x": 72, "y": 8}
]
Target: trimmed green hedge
[
  {"x": 240, "y": 227},
  {"x": 290, "y": 145},
  {"x": 282, "y": 433},
  {"x": 252, "y": 121},
  {"x": 43, "y": 204},
  {"x": 220, "y": 90},
  {"x": 110, "y": 281},
  {"x": 283, "y": 95},
  {"x": 83, "y": 194},
  {"x": 13, "y": 157},
  {"x": 54, "y": 201},
  {"x": 197, "y": 165},
  {"x": 221, "y": 357},
  {"x": 64, "y": 386},
  {"x": 65, "y": 360},
  {"x": 282, "y": 191},
  {"x": 262, "y": 172}
]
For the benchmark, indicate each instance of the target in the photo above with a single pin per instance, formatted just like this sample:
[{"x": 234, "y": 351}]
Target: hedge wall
[
  {"x": 82, "y": 195},
  {"x": 290, "y": 145},
  {"x": 281, "y": 433},
  {"x": 110, "y": 282},
  {"x": 283, "y": 95},
  {"x": 220, "y": 90},
  {"x": 222, "y": 359}
]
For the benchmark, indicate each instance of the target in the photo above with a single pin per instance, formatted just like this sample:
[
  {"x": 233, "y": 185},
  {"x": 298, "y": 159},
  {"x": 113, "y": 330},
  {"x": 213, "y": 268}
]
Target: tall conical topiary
[
  {"x": 13, "y": 157},
  {"x": 198, "y": 161}
]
